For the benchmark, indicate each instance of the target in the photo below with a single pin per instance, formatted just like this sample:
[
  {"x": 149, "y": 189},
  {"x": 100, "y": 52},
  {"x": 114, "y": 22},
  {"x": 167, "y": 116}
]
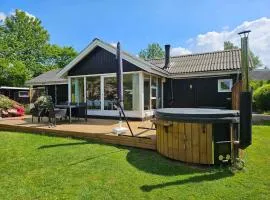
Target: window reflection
[
  {"x": 131, "y": 91},
  {"x": 110, "y": 92},
  {"x": 77, "y": 90},
  {"x": 152, "y": 92},
  {"x": 93, "y": 92},
  {"x": 146, "y": 92}
]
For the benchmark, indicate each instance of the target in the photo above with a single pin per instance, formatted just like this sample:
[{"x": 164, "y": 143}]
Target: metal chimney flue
[
  {"x": 244, "y": 60},
  {"x": 246, "y": 95},
  {"x": 167, "y": 56}
]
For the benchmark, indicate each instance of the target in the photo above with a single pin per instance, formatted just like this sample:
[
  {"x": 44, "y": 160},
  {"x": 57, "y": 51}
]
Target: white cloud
[
  {"x": 179, "y": 51},
  {"x": 113, "y": 44},
  {"x": 2, "y": 16},
  {"x": 30, "y": 15},
  {"x": 259, "y": 39},
  {"x": 27, "y": 13}
]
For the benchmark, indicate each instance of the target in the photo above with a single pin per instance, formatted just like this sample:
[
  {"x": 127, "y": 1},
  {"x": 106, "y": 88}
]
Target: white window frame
[
  {"x": 102, "y": 95},
  {"x": 155, "y": 88},
  {"x": 225, "y": 90},
  {"x": 23, "y": 95}
]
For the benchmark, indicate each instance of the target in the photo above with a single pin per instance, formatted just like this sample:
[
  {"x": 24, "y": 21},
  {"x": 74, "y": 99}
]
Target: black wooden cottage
[
  {"x": 19, "y": 94},
  {"x": 197, "y": 80}
]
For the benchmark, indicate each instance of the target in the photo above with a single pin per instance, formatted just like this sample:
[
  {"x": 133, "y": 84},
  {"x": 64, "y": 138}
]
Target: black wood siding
[
  {"x": 62, "y": 93},
  {"x": 100, "y": 61},
  {"x": 61, "y": 90},
  {"x": 14, "y": 95},
  {"x": 204, "y": 93}
]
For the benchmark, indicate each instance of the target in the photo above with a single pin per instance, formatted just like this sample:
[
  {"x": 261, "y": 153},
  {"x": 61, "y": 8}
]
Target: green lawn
[{"x": 41, "y": 167}]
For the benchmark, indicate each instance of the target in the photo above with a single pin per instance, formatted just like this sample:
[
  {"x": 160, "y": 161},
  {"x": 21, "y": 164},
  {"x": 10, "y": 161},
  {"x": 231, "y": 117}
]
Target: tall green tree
[
  {"x": 229, "y": 45},
  {"x": 12, "y": 73},
  {"x": 255, "y": 59},
  {"x": 24, "y": 39},
  {"x": 57, "y": 57},
  {"x": 153, "y": 51}
]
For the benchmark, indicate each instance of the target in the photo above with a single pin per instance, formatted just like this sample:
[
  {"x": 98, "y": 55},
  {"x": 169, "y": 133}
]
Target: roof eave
[
  {"x": 47, "y": 83},
  {"x": 204, "y": 74}
]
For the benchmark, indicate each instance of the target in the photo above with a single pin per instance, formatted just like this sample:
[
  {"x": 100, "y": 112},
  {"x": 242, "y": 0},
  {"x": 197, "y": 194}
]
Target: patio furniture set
[{"x": 59, "y": 112}]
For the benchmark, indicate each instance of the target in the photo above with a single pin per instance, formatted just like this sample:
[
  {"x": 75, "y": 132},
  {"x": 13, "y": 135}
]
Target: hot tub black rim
[{"x": 231, "y": 116}]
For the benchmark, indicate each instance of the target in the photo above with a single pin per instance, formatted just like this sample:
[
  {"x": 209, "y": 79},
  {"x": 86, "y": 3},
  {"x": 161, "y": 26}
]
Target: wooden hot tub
[{"x": 196, "y": 135}]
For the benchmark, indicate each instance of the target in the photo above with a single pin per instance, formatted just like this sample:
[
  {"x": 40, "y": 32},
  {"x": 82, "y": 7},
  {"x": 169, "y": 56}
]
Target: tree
[
  {"x": 255, "y": 59},
  {"x": 12, "y": 73},
  {"x": 58, "y": 57},
  {"x": 153, "y": 51},
  {"x": 24, "y": 39},
  {"x": 229, "y": 45}
]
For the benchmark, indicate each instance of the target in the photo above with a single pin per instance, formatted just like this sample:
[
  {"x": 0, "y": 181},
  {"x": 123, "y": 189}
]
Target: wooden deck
[{"x": 93, "y": 129}]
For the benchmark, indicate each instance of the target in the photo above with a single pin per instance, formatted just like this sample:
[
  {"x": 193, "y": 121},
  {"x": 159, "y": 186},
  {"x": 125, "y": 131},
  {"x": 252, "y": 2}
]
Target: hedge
[{"x": 262, "y": 98}]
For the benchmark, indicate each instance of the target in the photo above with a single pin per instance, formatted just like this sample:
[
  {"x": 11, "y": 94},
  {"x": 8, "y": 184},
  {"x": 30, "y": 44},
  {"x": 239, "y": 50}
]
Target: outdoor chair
[
  {"x": 56, "y": 113},
  {"x": 81, "y": 111},
  {"x": 38, "y": 112}
]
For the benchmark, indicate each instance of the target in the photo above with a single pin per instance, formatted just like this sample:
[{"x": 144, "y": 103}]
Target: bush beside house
[{"x": 261, "y": 98}]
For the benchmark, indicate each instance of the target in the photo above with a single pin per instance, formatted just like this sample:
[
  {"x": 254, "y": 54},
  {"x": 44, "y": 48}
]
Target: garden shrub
[
  {"x": 5, "y": 102},
  {"x": 262, "y": 98},
  {"x": 255, "y": 84},
  {"x": 44, "y": 101}
]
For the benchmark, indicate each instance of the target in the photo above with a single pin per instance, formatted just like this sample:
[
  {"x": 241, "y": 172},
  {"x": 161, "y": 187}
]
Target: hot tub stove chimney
[
  {"x": 246, "y": 94},
  {"x": 167, "y": 56}
]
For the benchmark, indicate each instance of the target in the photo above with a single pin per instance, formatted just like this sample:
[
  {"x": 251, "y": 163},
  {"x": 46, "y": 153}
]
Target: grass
[{"x": 42, "y": 167}]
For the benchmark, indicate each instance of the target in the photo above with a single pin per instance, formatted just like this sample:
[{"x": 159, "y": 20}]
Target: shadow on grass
[
  {"x": 120, "y": 148},
  {"x": 194, "y": 179},
  {"x": 95, "y": 157},
  {"x": 151, "y": 162},
  {"x": 62, "y": 145},
  {"x": 154, "y": 163}
]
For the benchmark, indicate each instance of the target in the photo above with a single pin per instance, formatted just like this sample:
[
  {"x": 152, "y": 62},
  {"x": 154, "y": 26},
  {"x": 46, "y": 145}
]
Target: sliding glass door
[{"x": 152, "y": 92}]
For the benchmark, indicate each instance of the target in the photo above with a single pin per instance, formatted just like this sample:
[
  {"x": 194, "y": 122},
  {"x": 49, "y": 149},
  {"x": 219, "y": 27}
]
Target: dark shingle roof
[
  {"x": 202, "y": 62},
  {"x": 46, "y": 78},
  {"x": 260, "y": 74}
]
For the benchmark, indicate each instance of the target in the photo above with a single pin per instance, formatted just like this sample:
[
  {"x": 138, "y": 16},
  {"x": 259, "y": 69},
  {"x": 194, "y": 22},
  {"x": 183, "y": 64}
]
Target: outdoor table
[{"x": 67, "y": 107}]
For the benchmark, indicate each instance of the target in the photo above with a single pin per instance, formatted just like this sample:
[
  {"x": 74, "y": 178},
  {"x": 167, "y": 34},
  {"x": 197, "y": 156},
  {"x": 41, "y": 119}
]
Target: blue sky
[{"x": 137, "y": 23}]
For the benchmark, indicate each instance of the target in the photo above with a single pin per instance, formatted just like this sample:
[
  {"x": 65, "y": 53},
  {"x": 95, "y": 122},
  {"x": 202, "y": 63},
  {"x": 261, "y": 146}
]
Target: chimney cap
[{"x": 244, "y": 33}]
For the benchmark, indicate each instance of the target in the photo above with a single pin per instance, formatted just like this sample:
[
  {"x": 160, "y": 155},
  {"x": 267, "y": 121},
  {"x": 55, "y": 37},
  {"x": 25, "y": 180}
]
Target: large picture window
[
  {"x": 130, "y": 92},
  {"x": 93, "y": 92},
  {"x": 77, "y": 90},
  {"x": 100, "y": 92}
]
